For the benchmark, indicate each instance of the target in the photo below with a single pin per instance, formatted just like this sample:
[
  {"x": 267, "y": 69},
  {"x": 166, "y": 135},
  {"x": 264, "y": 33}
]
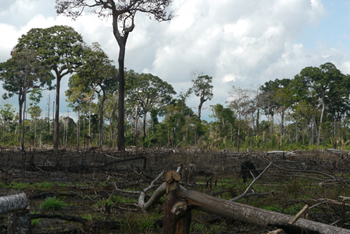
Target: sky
[{"x": 239, "y": 43}]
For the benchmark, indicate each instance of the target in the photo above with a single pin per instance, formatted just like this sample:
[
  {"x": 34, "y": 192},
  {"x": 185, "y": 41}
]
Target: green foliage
[
  {"x": 52, "y": 204},
  {"x": 134, "y": 223},
  {"x": 44, "y": 185},
  {"x": 35, "y": 222},
  {"x": 202, "y": 88},
  {"x": 306, "y": 112},
  {"x": 147, "y": 92}
]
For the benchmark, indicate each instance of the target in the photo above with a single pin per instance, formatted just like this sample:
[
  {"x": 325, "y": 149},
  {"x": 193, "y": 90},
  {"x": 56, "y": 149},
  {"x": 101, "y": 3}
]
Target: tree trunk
[
  {"x": 176, "y": 221},
  {"x": 57, "y": 114},
  {"x": 78, "y": 130},
  {"x": 121, "y": 39},
  {"x": 320, "y": 124},
  {"x": 90, "y": 111},
  {"x": 272, "y": 122},
  {"x": 23, "y": 119},
  {"x": 101, "y": 120},
  {"x": 282, "y": 128},
  {"x": 136, "y": 121},
  {"x": 239, "y": 133},
  {"x": 200, "y": 109},
  {"x": 144, "y": 124},
  {"x": 20, "y": 114},
  {"x": 257, "y": 122},
  {"x": 252, "y": 215},
  {"x": 35, "y": 132},
  {"x": 20, "y": 103},
  {"x": 120, "y": 138}
]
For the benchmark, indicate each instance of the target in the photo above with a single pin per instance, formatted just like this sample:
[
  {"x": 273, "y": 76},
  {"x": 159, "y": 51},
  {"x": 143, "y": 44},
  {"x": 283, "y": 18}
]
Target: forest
[{"x": 305, "y": 112}]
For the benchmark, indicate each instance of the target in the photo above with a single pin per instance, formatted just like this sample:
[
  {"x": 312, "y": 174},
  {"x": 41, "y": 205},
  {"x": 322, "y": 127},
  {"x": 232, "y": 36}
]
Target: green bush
[{"x": 52, "y": 203}]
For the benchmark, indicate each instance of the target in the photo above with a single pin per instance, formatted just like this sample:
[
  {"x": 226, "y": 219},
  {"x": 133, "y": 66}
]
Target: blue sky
[
  {"x": 238, "y": 42},
  {"x": 333, "y": 30}
]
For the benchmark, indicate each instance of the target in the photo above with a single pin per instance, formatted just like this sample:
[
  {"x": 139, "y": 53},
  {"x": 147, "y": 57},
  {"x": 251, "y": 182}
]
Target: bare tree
[
  {"x": 242, "y": 104},
  {"x": 123, "y": 15}
]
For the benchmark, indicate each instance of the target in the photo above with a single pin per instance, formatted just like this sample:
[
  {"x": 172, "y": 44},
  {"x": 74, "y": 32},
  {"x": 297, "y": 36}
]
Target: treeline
[{"x": 310, "y": 110}]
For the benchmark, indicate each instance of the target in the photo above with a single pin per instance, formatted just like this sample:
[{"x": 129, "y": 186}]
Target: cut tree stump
[
  {"x": 19, "y": 222},
  {"x": 177, "y": 216}
]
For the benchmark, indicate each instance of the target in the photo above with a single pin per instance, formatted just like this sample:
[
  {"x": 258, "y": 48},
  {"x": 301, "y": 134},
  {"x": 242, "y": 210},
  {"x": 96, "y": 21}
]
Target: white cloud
[{"x": 241, "y": 43}]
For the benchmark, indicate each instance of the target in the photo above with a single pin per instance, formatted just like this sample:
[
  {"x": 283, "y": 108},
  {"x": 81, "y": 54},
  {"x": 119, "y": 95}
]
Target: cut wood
[
  {"x": 19, "y": 222},
  {"x": 177, "y": 216},
  {"x": 13, "y": 203},
  {"x": 253, "y": 215},
  {"x": 300, "y": 213}
]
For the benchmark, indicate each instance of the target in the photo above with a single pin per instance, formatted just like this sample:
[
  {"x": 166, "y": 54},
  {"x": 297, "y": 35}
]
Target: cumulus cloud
[{"x": 241, "y": 43}]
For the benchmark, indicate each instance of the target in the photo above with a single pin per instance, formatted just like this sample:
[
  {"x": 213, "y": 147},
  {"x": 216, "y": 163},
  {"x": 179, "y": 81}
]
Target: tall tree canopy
[
  {"x": 202, "y": 88},
  {"x": 60, "y": 48},
  {"x": 98, "y": 75},
  {"x": 329, "y": 87},
  {"x": 123, "y": 20},
  {"x": 150, "y": 92},
  {"x": 22, "y": 74}
]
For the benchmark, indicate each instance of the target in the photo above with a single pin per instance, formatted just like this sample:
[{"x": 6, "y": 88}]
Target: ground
[{"x": 79, "y": 191}]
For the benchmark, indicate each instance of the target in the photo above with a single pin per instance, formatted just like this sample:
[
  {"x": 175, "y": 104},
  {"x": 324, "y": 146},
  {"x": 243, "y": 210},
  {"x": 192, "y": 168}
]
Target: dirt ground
[{"x": 87, "y": 180}]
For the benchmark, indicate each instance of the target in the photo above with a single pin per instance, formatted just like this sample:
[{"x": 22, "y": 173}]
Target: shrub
[{"x": 52, "y": 203}]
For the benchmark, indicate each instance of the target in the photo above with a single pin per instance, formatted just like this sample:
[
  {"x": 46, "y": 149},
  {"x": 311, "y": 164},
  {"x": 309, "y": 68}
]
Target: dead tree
[{"x": 183, "y": 201}]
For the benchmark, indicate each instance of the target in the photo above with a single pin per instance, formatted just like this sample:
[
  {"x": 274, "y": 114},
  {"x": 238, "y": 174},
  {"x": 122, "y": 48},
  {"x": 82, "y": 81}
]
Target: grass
[
  {"x": 203, "y": 228},
  {"x": 18, "y": 185},
  {"x": 35, "y": 222},
  {"x": 52, "y": 204},
  {"x": 122, "y": 199},
  {"x": 139, "y": 223},
  {"x": 101, "y": 203}
]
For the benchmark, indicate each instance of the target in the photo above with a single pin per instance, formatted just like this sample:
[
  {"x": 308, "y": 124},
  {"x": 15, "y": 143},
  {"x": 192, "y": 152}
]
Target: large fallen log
[
  {"x": 19, "y": 216},
  {"x": 13, "y": 203},
  {"x": 252, "y": 215}
]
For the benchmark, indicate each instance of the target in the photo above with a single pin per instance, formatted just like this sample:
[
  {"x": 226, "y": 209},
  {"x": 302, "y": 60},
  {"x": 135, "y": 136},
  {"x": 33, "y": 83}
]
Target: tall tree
[
  {"x": 76, "y": 99},
  {"x": 202, "y": 88},
  {"x": 281, "y": 99},
  {"x": 60, "y": 48},
  {"x": 267, "y": 101},
  {"x": 241, "y": 103},
  {"x": 98, "y": 75},
  {"x": 149, "y": 92},
  {"x": 325, "y": 82},
  {"x": 34, "y": 109},
  {"x": 22, "y": 74},
  {"x": 7, "y": 115},
  {"x": 123, "y": 19},
  {"x": 225, "y": 121}
]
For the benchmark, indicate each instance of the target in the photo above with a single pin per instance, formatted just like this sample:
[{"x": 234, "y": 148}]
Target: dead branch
[
  {"x": 296, "y": 217},
  {"x": 244, "y": 194},
  {"x": 332, "y": 178}
]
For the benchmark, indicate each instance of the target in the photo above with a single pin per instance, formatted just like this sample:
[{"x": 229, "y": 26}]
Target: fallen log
[
  {"x": 19, "y": 216},
  {"x": 13, "y": 203},
  {"x": 252, "y": 215}
]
